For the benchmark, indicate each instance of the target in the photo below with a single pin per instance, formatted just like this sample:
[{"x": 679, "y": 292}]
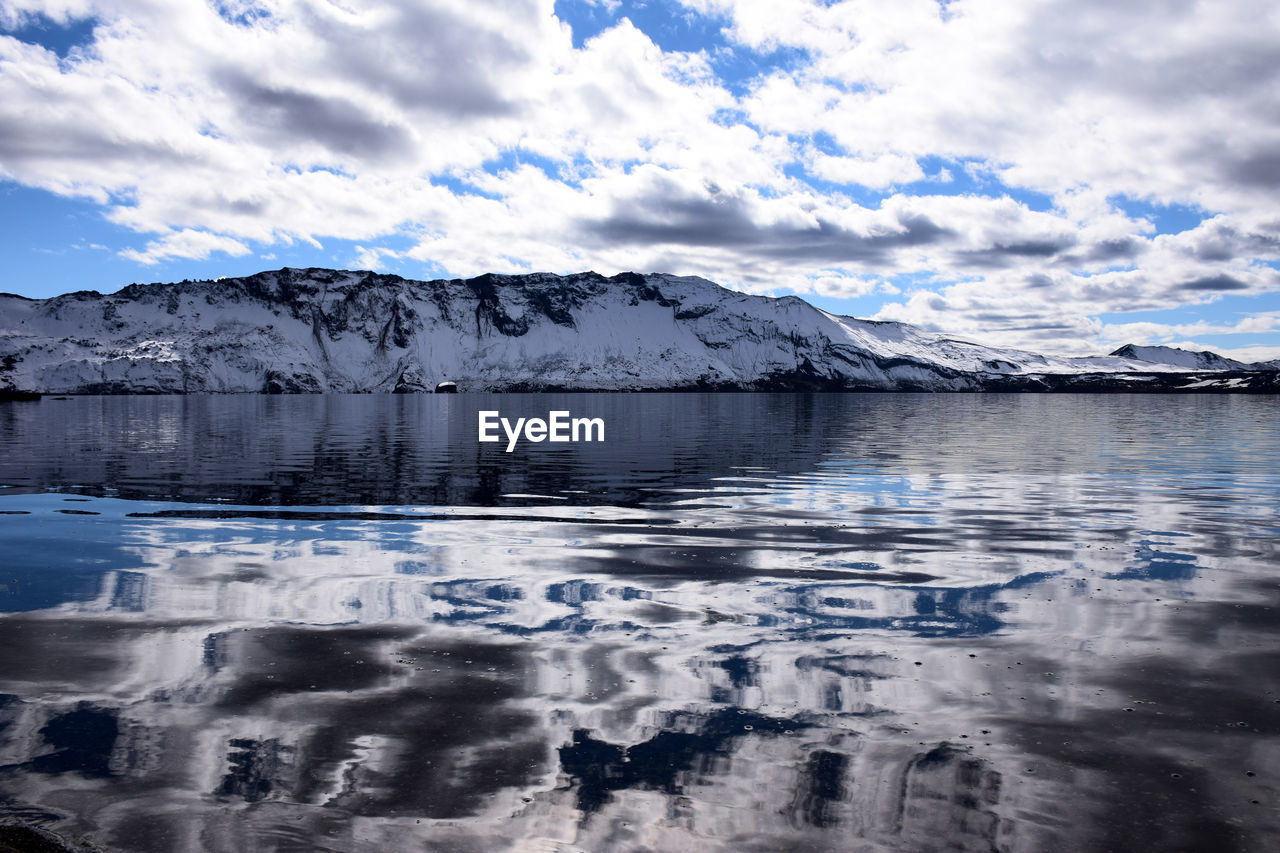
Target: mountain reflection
[
  {"x": 400, "y": 450},
  {"x": 845, "y": 643},
  {"x": 415, "y": 450}
]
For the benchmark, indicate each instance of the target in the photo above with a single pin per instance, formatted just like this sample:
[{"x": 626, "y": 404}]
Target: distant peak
[
  {"x": 1204, "y": 359},
  {"x": 1137, "y": 351}
]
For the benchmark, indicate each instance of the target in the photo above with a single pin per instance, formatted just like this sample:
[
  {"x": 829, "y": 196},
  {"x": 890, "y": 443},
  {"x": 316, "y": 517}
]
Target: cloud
[
  {"x": 878, "y": 171},
  {"x": 1144, "y": 332},
  {"x": 1011, "y": 254},
  {"x": 186, "y": 244},
  {"x": 1054, "y": 95},
  {"x": 1255, "y": 169},
  {"x": 451, "y": 59},
  {"x": 977, "y": 156},
  {"x": 371, "y": 258},
  {"x": 1214, "y": 283},
  {"x": 666, "y": 212},
  {"x": 281, "y": 115}
]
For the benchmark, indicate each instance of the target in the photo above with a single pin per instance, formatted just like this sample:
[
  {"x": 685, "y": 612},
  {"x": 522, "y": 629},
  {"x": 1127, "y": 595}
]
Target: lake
[{"x": 741, "y": 622}]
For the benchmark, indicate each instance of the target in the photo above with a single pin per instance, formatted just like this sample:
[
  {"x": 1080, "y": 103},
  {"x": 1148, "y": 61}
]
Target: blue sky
[{"x": 1066, "y": 177}]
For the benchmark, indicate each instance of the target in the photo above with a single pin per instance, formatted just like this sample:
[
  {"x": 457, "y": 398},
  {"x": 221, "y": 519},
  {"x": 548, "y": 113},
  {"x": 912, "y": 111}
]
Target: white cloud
[
  {"x": 1245, "y": 354},
  {"x": 1058, "y": 95},
  {"x": 315, "y": 120},
  {"x": 371, "y": 258},
  {"x": 1166, "y": 333},
  {"x": 876, "y": 172},
  {"x": 186, "y": 244}
]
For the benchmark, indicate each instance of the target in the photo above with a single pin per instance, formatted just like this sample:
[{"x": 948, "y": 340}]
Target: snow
[
  {"x": 1182, "y": 358},
  {"x": 326, "y": 330}
]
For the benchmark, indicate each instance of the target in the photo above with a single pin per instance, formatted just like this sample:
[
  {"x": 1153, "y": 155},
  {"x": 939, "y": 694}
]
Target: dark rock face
[{"x": 280, "y": 383}]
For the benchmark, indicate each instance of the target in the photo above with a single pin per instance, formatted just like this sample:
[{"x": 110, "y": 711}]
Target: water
[{"x": 744, "y": 622}]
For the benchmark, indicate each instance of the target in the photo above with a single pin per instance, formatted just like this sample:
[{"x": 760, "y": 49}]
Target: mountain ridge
[
  {"x": 320, "y": 330},
  {"x": 1196, "y": 360}
]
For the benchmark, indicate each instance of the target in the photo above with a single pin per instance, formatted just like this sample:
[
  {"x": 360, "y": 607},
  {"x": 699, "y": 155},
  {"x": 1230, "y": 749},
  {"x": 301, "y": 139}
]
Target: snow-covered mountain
[
  {"x": 1176, "y": 357},
  {"x": 317, "y": 330}
]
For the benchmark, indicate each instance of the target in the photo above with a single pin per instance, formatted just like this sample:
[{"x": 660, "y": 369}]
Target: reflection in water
[{"x": 883, "y": 621}]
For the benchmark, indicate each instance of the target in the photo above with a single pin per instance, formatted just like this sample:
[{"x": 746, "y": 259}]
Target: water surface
[{"x": 744, "y": 622}]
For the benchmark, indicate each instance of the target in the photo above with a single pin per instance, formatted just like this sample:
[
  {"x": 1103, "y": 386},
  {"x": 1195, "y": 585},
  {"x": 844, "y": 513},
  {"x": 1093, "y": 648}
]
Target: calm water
[{"x": 744, "y": 622}]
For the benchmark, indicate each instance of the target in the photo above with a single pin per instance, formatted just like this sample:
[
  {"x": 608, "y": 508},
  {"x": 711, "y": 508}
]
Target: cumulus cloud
[{"x": 900, "y": 141}]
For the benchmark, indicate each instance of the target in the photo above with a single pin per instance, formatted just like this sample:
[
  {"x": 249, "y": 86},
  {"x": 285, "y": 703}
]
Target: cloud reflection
[{"x": 1077, "y": 655}]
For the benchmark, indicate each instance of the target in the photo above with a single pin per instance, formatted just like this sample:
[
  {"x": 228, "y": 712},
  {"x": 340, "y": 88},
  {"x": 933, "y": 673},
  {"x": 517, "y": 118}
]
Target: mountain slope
[
  {"x": 1176, "y": 357},
  {"x": 318, "y": 330}
]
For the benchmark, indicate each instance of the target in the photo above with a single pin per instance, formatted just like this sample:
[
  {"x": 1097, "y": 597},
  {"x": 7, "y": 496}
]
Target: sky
[{"x": 1064, "y": 176}]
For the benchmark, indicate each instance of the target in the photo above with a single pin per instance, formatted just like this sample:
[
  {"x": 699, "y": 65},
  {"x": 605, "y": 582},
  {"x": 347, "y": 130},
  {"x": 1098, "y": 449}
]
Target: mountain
[
  {"x": 1203, "y": 360},
  {"x": 318, "y": 330}
]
